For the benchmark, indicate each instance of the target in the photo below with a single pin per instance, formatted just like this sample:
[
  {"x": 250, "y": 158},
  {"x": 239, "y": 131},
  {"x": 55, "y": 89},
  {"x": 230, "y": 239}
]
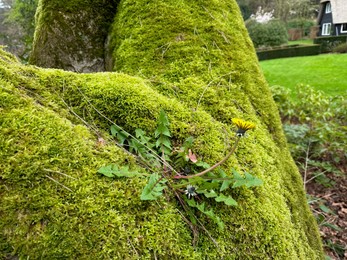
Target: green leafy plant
[
  {"x": 162, "y": 134},
  {"x": 341, "y": 48},
  {"x": 113, "y": 170},
  {"x": 324, "y": 214},
  {"x": 316, "y": 131},
  {"x": 154, "y": 188},
  {"x": 194, "y": 183}
]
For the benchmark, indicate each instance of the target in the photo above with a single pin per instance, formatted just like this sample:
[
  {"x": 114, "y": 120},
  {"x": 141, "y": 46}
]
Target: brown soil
[{"x": 329, "y": 205}]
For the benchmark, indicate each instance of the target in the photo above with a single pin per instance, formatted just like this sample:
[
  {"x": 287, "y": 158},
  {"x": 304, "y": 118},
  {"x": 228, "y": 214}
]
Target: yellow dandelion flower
[{"x": 242, "y": 126}]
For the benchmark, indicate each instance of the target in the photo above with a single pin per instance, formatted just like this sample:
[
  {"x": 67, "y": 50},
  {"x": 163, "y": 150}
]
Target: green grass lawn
[{"x": 327, "y": 72}]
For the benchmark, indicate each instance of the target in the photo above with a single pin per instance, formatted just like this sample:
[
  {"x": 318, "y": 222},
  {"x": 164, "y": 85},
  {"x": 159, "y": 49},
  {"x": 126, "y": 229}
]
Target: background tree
[
  {"x": 18, "y": 26},
  {"x": 283, "y": 10}
]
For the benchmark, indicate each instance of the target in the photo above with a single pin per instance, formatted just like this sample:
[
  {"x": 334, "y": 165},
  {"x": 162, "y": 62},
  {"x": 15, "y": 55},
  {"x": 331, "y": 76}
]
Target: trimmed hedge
[
  {"x": 328, "y": 43},
  {"x": 289, "y": 51}
]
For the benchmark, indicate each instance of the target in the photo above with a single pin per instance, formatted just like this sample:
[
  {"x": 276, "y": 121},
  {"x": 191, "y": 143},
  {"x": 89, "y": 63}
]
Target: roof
[{"x": 338, "y": 9}]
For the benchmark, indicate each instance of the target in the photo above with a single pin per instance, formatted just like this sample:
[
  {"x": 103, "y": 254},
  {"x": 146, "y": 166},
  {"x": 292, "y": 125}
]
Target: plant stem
[{"x": 214, "y": 166}]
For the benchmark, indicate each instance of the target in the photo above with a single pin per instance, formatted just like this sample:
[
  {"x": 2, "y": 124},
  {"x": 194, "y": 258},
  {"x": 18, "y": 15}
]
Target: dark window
[{"x": 344, "y": 27}]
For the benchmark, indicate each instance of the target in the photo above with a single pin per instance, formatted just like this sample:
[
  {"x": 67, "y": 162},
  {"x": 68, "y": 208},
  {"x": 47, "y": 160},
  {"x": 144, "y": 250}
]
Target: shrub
[
  {"x": 342, "y": 48},
  {"x": 273, "y": 33},
  {"x": 304, "y": 24},
  {"x": 288, "y": 51},
  {"x": 328, "y": 43},
  {"x": 315, "y": 128}
]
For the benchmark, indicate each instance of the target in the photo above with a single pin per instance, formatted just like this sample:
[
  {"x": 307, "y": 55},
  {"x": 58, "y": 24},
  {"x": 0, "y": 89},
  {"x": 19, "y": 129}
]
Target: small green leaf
[
  {"x": 163, "y": 125},
  {"x": 113, "y": 170},
  {"x": 326, "y": 209},
  {"x": 188, "y": 143},
  {"x": 252, "y": 180},
  {"x": 163, "y": 118},
  {"x": 120, "y": 134},
  {"x": 209, "y": 194},
  {"x": 203, "y": 165},
  {"x": 226, "y": 183},
  {"x": 139, "y": 133},
  {"x": 226, "y": 199},
  {"x": 162, "y": 130},
  {"x": 163, "y": 140},
  {"x": 154, "y": 188},
  {"x": 108, "y": 170},
  {"x": 332, "y": 226},
  {"x": 248, "y": 181},
  {"x": 191, "y": 203},
  {"x": 114, "y": 130},
  {"x": 208, "y": 213}
]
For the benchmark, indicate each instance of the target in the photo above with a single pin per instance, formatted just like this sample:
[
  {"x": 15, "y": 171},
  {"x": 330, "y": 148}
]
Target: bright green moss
[
  {"x": 203, "y": 72},
  {"x": 207, "y": 62},
  {"x": 99, "y": 218}
]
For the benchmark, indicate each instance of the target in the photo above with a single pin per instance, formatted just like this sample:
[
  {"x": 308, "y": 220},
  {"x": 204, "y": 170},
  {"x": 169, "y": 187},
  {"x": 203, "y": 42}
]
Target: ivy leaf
[
  {"x": 248, "y": 181},
  {"x": 228, "y": 200},
  {"x": 113, "y": 170},
  {"x": 154, "y": 188}
]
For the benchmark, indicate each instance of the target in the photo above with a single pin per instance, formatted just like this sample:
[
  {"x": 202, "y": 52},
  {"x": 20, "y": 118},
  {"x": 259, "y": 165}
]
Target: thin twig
[
  {"x": 192, "y": 227},
  {"x": 214, "y": 166},
  {"x": 208, "y": 233},
  {"x": 129, "y": 241},
  {"x": 207, "y": 86},
  {"x": 209, "y": 13},
  {"x": 80, "y": 118},
  {"x": 109, "y": 120},
  {"x": 132, "y": 246},
  {"x": 224, "y": 37},
  {"x": 64, "y": 174},
  {"x": 203, "y": 93},
  {"x": 315, "y": 177},
  {"x": 58, "y": 183},
  {"x": 306, "y": 163}
]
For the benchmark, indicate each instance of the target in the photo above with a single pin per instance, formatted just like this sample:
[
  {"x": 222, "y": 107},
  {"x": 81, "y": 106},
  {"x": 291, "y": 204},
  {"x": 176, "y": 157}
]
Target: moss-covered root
[
  {"x": 71, "y": 35},
  {"x": 54, "y": 205}
]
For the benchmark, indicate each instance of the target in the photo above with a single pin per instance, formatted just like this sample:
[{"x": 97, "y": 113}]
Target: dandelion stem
[{"x": 214, "y": 166}]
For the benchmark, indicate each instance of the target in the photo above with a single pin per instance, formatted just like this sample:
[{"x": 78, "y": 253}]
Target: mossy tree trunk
[
  {"x": 193, "y": 59},
  {"x": 72, "y": 35}
]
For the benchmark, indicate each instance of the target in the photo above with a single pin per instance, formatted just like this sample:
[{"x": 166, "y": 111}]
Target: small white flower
[{"x": 190, "y": 191}]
